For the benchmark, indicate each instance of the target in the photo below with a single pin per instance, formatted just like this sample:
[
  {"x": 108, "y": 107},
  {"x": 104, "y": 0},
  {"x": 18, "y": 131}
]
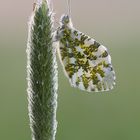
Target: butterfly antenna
[{"x": 69, "y": 7}]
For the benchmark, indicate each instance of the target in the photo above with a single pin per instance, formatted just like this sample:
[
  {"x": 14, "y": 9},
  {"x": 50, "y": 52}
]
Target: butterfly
[{"x": 86, "y": 63}]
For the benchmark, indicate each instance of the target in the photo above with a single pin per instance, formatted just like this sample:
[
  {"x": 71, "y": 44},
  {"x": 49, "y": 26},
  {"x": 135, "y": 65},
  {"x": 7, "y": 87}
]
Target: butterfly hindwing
[{"x": 86, "y": 63}]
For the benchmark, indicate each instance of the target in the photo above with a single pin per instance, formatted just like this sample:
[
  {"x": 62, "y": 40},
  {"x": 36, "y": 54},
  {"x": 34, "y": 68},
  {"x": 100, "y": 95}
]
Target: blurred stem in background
[{"x": 41, "y": 74}]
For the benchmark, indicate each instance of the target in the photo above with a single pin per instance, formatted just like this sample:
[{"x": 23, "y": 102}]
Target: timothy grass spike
[{"x": 41, "y": 74}]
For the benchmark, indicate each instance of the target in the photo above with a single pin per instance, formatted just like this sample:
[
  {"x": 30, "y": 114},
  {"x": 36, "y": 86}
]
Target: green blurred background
[{"x": 113, "y": 115}]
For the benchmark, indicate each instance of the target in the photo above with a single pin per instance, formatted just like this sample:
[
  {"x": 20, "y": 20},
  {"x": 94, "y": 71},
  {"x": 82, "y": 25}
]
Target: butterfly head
[{"x": 65, "y": 20}]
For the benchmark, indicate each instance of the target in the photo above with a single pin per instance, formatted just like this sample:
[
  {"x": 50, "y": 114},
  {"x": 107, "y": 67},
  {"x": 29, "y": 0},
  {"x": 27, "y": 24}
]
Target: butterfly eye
[{"x": 65, "y": 19}]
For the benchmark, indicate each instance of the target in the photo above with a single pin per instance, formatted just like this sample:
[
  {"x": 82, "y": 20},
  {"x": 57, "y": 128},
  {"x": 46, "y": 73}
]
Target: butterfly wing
[{"x": 86, "y": 63}]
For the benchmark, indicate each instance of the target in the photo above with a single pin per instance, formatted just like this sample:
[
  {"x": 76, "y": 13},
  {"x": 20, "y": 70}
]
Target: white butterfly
[{"x": 86, "y": 63}]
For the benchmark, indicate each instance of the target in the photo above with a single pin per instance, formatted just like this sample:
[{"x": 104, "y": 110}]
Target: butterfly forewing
[{"x": 86, "y": 63}]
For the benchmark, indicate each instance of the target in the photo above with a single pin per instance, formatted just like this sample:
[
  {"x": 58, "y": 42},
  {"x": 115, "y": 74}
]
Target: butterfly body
[{"x": 86, "y": 62}]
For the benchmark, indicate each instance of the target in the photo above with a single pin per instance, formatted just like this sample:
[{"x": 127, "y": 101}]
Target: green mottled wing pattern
[{"x": 86, "y": 63}]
